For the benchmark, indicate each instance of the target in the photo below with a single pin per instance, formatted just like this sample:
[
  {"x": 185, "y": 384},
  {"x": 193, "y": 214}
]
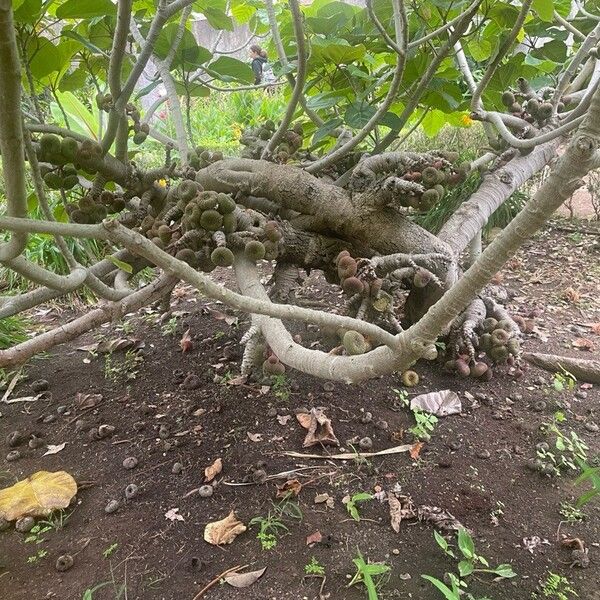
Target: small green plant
[
  {"x": 270, "y": 528},
  {"x": 470, "y": 562},
  {"x": 314, "y": 567},
  {"x": 39, "y": 555},
  {"x": 557, "y": 587},
  {"x": 110, "y": 550},
  {"x": 571, "y": 514},
  {"x": 89, "y": 593},
  {"x": 591, "y": 474},
  {"x": 36, "y": 536},
  {"x": 424, "y": 422},
  {"x": 563, "y": 379},
  {"x": 280, "y": 387},
  {"x": 124, "y": 369},
  {"x": 170, "y": 327},
  {"x": 568, "y": 449},
  {"x": 354, "y": 501},
  {"x": 369, "y": 574},
  {"x": 126, "y": 327}
]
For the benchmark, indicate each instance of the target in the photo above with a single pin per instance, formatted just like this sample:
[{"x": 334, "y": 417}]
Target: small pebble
[
  {"x": 24, "y": 524},
  {"x": 535, "y": 465},
  {"x": 49, "y": 419},
  {"x": 105, "y": 431},
  {"x": 444, "y": 463},
  {"x": 14, "y": 439},
  {"x": 177, "y": 468},
  {"x": 365, "y": 443},
  {"x": 272, "y": 412},
  {"x": 483, "y": 454},
  {"x": 191, "y": 382},
  {"x": 131, "y": 491},
  {"x": 328, "y": 386},
  {"x": 581, "y": 394},
  {"x": 35, "y": 442},
  {"x": 61, "y": 410},
  {"x": 382, "y": 424},
  {"x": 366, "y": 417},
  {"x": 39, "y": 385},
  {"x": 64, "y": 562},
  {"x": 130, "y": 462},
  {"x": 111, "y": 507},
  {"x": 454, "y": 444},
  {"x": 259, "y": 475},
  {"x": 13, "y": 455},
  {"x": 163, "y": 432},
  {"x": 591, "y": 426},
  {"x": 205, "y": 491},
  {"x": 4, "y": 524},
  {"x": 539, "y": 406},
  {"x": 395, "y": 551}
]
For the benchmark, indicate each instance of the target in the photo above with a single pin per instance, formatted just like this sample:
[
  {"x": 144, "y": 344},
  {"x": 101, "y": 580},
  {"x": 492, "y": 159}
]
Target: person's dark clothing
[{"x": 257, "y": 67}]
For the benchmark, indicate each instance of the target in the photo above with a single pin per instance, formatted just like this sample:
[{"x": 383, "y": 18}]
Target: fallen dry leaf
[
  {"x": 314, "y": 538},
  {"x": 172, "y": 515},
  {"x": 54, "y": 448},
  {"x": 211, "y": 472},
  {"x": 37, "y": 496},
  {"x": 304, "y": 419},
  {"x": 440, "y": 518},
  {"x": 441, "y": 404},
  {"x": 401, "y": 507},
  {"x": 583, "y": 344},
  {"x": 186, "y": 342},
  {"x": 255, "y": 437},
  {"x": 320, "y": 430},
  {"x": 290, "y": 489},
  {"x": 244, "y": 580},
  {"x": 223, "y": 531},
  {"x": 283, "y": 419},
  {"x": 596, "y": 328},
  {"x": 220, "y": 316},
  {"x": 572, "y": 295},
  {"x": 416, "y": 450},
  {"x": 83, "y": 401}
]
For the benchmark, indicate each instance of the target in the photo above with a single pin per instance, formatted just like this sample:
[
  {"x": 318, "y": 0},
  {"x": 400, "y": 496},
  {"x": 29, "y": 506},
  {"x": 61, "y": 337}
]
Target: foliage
[
  {"x": 591, "y": 474},
  {"x": 354, "y": 501},
  {"x": 272, "y": 526},
  {"x": 13, "y": 330},
  {"x": 369, "y": 574},
  {"x": 424, "y": 422},
  {"x": 314, "y": 567},
  {"x": 569, "y": 448},
  {"x": 556, "y": 587}
]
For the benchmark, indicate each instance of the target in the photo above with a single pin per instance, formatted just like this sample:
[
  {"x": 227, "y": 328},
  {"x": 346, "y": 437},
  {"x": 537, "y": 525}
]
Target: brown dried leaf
[
  {"x": 572, "y": 295},
  {"x": 304, "y": 419},
  {"x": 440, "y": 518},
  {"x": 185, "y": 342},
  {"x": 223, "y": 531},
  {"x": 320, "y": 430},
  {"x": 110, "y": 346},
  {"x": 254, "y": 437},
  {"x": 291, "y": 488},
  {"x": 441, "y": 404},
  {"x": 314, "y": 538},
  {"x": 83, "y": 401},
  {"x": 401, "y": 507},
  {"x": 283, "y": 419},
  {"x": 416, "y": 450},
  {"x": 583, "y": 344},
  {"x": 596, "y": 328},
  {"x": 54, "y": 448},
  {"x": 213, "y": 470},
  {"x": 244, "y": 580},
  {"x": 37, "y": 496}
]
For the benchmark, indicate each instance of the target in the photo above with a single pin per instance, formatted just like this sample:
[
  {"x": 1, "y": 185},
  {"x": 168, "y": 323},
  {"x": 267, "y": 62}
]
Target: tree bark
[{"x": 582, "y": 369}]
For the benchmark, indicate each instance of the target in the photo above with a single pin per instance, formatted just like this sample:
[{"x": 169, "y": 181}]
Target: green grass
[{"x": 13, "y": 330}]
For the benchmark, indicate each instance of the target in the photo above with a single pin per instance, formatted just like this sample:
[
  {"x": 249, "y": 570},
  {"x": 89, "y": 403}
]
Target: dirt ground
[{"x": 475, "y": 466}]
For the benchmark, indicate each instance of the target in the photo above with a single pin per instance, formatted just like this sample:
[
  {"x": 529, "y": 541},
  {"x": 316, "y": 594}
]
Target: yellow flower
[
  {"x": 162, "y": 182},
  {"x": 237, "y": 131},
  {"x": 466, "y": 120}
]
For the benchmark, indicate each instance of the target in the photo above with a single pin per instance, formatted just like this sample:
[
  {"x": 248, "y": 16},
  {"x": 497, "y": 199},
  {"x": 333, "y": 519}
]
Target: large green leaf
[
  {"x": 337, "y": 51},
  {"x": 544, "y": 9},
  {"x": 46, "y": 58},
  {"x": 433, "y": 122},
  {"x": 195, "y": 90},
  {"x": 189, "y": 54},
  {"x": 218, "y": 19},
  {"x": 227, "y": 68},
  {"x": 80, "y": 118},
  {"x": 83, "y": 9},
  {"x": 27, "y": 11}
]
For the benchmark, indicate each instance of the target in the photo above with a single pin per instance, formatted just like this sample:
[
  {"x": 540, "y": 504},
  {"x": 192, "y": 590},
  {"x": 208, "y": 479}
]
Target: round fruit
[
  {"x": 211, "y": 220},
  {"x": 410, "y": 378},
  {"x": 255, "y": 250},
  {"x": 222, "y": 257}
]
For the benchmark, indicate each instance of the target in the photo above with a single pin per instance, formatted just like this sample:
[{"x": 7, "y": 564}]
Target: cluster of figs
[
  {"x": 498, "y": 341},
  {"x": 255, "y": 140},
  {"x": 197, "y": 225}
]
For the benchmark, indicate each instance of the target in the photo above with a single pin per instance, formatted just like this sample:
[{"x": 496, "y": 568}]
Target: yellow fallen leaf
[
  {"x": 211, "y": 472},
  {"x": 224, "y": 531},
  {"x": 37, "y": 496}
]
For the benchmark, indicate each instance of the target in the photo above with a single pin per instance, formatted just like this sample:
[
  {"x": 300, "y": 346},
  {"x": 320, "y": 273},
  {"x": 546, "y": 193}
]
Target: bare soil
[{"x": 474, "y": 466}]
